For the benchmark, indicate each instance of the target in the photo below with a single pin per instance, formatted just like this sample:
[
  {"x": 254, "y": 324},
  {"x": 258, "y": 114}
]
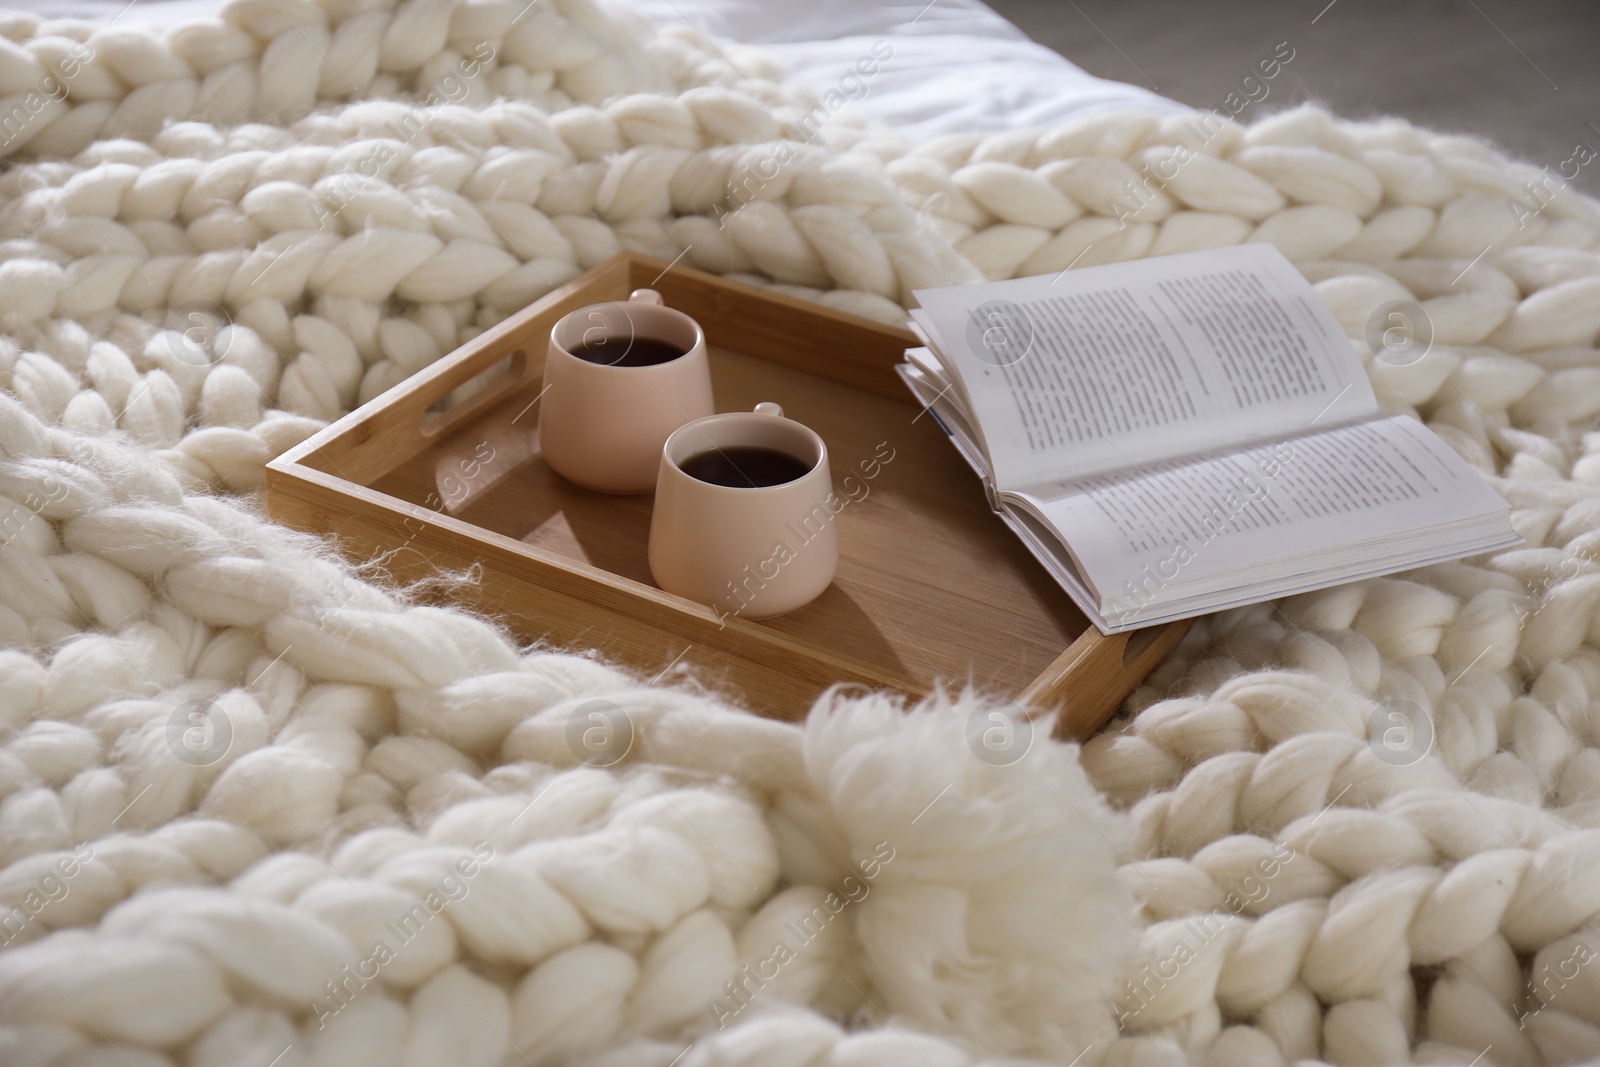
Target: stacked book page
[{"x": 1175, "y": 436}]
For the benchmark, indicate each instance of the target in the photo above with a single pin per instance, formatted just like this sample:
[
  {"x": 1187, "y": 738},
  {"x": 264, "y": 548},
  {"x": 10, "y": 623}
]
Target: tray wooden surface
[{"x": 931, "y": 585}]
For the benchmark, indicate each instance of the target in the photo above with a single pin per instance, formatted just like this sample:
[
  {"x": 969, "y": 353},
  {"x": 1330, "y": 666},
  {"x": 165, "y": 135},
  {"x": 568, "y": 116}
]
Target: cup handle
[
  {"x": 644, "y": 296},
  {"x": 767, "y": 407}
]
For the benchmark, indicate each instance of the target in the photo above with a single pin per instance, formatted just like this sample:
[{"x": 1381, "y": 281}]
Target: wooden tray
[{"x": 931, "y": 585}]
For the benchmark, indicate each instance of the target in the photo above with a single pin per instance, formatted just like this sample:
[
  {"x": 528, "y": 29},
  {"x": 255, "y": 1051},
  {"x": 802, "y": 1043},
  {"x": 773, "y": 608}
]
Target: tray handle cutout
[
  {"x": 1135, "y": 643},
  {"x": 1091, "y": 678},
  {"x": 478, "y": 393}
]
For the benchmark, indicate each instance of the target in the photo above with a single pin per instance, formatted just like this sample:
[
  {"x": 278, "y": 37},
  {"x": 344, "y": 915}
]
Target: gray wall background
[{"x": 1524, "y": 74}]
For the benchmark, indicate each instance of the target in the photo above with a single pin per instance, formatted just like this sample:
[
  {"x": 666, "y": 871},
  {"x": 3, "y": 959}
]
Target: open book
[{"x": 1179, "y": 435}]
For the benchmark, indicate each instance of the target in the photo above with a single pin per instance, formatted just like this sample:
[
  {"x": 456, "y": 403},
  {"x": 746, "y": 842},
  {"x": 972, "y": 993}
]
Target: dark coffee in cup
[
  {"x": 744, "y": 499},
  {"x": 628, "y": 351},
  {"x": 745, "y": 466}
]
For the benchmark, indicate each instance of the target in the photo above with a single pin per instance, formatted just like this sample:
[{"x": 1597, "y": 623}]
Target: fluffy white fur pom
[{"x": 994, "y": 907}]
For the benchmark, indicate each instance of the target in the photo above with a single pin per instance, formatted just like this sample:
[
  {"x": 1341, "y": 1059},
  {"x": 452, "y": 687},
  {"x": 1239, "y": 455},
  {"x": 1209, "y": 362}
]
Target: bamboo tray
[{"x": 931, "y": 585}]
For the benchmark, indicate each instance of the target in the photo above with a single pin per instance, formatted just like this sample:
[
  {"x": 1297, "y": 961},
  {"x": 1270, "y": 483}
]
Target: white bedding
[{"x": 957, "y": 66}]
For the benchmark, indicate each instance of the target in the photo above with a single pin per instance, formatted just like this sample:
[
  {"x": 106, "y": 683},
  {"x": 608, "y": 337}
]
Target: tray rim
[{"x": 1121, "y": 659}]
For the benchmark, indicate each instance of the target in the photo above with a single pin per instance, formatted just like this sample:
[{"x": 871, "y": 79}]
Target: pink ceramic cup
[
  {"x": 602, "y": 426},
  {"x": 755, "y": 552}
]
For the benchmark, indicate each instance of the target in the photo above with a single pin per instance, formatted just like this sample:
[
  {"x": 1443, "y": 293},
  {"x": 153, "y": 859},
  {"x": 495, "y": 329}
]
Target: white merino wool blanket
[{"x": 255, "y": 810}]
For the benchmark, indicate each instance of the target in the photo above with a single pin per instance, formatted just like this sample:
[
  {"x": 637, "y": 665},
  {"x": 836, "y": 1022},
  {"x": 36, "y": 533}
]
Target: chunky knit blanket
[{"x": 255, "y": 810}]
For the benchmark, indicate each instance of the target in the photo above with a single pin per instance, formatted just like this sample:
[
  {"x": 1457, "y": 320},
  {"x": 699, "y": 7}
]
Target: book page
[
  {"x": 1107, "y": 367},
  {"x": 1136, "y": 534}
]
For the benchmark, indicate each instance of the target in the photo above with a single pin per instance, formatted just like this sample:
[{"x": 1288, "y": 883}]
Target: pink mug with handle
[
  {"x": 603, "y": 420},
  {"x": 754, "y": 550}
]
